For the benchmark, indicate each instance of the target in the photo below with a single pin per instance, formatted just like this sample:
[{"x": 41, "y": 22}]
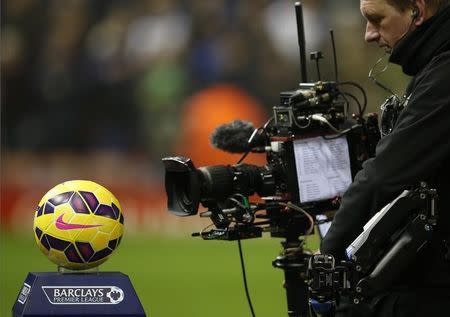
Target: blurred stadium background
[{"x": 103, "y": 89}]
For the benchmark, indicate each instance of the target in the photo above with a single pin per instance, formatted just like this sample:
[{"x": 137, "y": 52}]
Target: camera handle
[
  {"x": 381, "y": 252},
  {"x": 294, "y": 263}
]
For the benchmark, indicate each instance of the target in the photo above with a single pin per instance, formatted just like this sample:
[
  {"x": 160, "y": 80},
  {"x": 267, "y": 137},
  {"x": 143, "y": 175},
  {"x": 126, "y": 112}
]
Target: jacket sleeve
[{"x": 419, "y": 143}]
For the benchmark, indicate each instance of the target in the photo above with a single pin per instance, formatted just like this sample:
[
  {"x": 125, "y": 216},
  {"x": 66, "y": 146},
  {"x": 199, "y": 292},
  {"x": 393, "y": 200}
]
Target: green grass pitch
[{"x": 173, "y": 276}]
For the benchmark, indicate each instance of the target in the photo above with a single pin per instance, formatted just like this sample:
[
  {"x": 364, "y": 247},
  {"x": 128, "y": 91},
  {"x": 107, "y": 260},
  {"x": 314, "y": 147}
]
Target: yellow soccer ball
[{"x": 78, "y": 224}]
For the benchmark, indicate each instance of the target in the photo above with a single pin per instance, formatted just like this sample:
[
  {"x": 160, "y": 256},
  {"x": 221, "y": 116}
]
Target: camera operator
[{"x": 417, "y": 35}]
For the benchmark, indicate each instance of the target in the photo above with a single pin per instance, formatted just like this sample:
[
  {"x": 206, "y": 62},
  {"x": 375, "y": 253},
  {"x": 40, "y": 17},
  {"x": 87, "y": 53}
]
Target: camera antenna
[
  {"x": 301, "y": 41},
  {"x": 333, "y": 44}
]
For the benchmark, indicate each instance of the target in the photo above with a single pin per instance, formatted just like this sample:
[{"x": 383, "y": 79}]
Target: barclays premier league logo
[
  {"x": 24, "y": 292},
  {"x": 73, "y": 295}
]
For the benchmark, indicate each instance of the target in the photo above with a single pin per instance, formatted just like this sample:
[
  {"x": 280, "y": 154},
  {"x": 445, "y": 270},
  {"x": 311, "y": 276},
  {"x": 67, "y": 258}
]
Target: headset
[{"x": 415, "y": 13}]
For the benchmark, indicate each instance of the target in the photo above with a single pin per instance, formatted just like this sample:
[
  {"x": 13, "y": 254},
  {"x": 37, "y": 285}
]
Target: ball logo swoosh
[{"x": 62, "y": 225}]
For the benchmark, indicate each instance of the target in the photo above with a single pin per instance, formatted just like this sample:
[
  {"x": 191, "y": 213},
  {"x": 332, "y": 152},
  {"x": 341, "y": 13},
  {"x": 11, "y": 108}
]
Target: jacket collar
[{"x": 417, "y": 48}]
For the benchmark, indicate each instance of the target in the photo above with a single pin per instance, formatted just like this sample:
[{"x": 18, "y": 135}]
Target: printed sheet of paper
[{"x": 323, "y": 168}]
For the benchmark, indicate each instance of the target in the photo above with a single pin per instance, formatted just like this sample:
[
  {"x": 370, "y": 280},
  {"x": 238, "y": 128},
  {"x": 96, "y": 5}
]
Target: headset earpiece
[{"x": 415, "y": 13}]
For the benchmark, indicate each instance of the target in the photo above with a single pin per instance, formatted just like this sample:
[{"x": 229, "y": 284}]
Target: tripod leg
[{"x": 296, "y": 293}]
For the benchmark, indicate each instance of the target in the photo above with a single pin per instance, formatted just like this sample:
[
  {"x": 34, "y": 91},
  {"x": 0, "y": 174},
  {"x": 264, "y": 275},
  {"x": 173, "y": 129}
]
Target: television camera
[
  {"x": 314, "y": 146},
  {"x": 309, "y": 135}
]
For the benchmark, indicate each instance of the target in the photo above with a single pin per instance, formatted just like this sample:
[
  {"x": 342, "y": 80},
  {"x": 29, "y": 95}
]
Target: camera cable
[
  {"x": 303, "y": 211},
  {"x": 244, "y": 277},
  {"x": 321, "y": 118},
  {"x": 360, "y": 108},
  {"x": 361, "y": 89},
  {"x": 250, "y": 140},
  {"x": 343, "y": 132}
]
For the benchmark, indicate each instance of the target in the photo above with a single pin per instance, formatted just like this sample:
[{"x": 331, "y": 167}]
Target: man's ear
[{"x": 422, "y": 12}]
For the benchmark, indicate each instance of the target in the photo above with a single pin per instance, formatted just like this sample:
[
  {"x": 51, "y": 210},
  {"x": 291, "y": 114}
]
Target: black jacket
[{"x": 417, "y": 149}]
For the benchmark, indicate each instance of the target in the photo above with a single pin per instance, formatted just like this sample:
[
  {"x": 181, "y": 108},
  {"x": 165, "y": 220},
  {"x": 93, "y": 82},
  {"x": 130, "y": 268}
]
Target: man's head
[{"x": 388, "y": 21}]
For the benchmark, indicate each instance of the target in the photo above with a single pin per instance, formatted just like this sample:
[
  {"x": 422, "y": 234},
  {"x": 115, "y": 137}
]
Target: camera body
[
  {"x": 307, "y": 120},
  {"x": 297, "y": 108}
]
